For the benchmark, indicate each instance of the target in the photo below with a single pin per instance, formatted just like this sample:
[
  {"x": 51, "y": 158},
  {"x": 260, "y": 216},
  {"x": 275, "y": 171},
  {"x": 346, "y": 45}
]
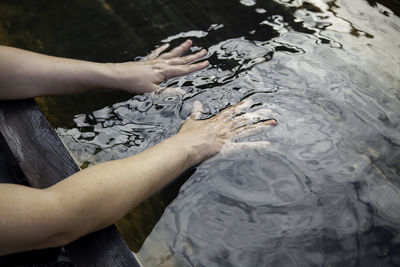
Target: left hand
[{"x": 145, "y": 76}]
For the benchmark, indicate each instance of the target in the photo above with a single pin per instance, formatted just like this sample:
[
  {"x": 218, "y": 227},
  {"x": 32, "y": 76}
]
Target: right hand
[{"x": 206, "y": 138}]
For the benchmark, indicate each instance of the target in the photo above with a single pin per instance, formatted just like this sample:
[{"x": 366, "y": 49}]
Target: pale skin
[
  {"x": 25, "y": 74},
  {"x": 98, "y": 196}
]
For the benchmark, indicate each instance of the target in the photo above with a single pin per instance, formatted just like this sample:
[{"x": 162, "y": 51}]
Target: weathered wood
[{"x": 45, "y": 161}]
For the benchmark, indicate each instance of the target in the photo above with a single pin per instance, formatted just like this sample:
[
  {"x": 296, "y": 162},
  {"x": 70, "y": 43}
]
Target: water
[{"x": 327, "y": 190}]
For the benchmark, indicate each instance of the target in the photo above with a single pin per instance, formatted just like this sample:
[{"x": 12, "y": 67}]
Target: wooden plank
[{"x": 45, "y": 161}]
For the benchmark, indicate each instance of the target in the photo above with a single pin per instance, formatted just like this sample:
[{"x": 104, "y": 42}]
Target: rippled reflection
[{"x": 327, "y": 191}]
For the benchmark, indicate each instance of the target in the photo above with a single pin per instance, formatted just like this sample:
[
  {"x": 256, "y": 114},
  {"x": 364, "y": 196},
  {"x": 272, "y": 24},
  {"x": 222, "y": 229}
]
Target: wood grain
[{"x": 45, "y": 161}]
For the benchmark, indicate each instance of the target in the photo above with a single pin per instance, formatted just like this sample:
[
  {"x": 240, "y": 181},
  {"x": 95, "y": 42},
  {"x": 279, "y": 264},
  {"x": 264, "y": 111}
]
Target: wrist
[
  {"x": 91, "y": 75},
  {"x": 106, "y": 76},
  {"x": 196, "y": 150},
  {"x": 122, "y": 76},
  {"x": 186, "y": 149}
]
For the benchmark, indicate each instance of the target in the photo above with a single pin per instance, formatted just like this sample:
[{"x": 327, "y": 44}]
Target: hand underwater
[
  {"x": 145, "y": 76},
  {"x": 218, "y": 134}
]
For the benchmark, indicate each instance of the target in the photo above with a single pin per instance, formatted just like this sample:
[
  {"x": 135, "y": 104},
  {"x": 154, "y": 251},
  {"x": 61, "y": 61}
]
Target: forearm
[
  {"x": 88, "y": 200},
  {"x": 26, "y": 74},
  {"x": 98, "y": 196}
]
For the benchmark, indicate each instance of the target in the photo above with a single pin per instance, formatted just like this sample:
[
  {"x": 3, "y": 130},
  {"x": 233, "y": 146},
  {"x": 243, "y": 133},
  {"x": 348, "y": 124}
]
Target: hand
[
  {"x": 205, "y": 138},
  {"x": 145, "y": 76}
]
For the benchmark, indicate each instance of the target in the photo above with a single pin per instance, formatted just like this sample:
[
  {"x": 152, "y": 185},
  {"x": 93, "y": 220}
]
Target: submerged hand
[
  {"x": 145, "y": 76},
  {"x": 205, "y": 138}
]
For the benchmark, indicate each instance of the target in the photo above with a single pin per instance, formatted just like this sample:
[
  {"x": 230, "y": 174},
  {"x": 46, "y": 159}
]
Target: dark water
[{"x": 327, "y": 190}]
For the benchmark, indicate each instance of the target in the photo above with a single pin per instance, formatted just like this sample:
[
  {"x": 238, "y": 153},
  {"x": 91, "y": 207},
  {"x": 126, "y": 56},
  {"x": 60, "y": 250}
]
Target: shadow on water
[{"x": 327, "y": 190}]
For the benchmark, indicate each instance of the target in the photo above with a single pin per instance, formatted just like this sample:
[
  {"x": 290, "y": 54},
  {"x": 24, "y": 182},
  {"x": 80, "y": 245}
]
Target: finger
[
  {"x": 253, "y": 129},
  {"x": 170, "y": 91},
  {"x": 250, "y": 118},
  {"x": 156, "y": 52},
  {"x": 153, "y": 88},
  {"x": 175, "y": 71},
  {"x": 231, "y": 111},
  {"x": 197, "y": 110},
  {"x": 232, "y": 147},
  {"x": 177, "y": 51},
  {"x": 188, "y": 59}
]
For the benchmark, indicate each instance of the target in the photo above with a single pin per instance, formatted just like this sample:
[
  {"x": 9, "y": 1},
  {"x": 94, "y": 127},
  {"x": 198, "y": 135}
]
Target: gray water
[{"x": 326, "y": 192}]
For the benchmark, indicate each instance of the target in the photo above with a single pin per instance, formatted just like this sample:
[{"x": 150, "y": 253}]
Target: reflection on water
[{"x": 327, "y": 191}]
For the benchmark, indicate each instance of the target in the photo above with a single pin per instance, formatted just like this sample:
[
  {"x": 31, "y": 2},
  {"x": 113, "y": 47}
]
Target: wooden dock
[{"x": 45, "y": 161}]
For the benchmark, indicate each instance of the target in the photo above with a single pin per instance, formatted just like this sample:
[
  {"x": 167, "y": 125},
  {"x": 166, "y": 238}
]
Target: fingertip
[
  {"x": 197, "y": 106},
  {"x": 202, "y": 52},
  {"x": 263, "y": 143},
  {"x": 266, "y": 123},
  {"x": 201, "y": 65}
]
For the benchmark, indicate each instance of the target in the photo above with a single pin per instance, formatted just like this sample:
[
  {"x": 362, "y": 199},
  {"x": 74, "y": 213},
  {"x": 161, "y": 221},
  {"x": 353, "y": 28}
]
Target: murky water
[{"x": 327, "y": 190}]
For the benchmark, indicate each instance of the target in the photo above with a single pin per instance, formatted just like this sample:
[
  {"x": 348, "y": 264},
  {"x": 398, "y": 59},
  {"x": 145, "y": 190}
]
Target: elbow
[
  {"x": 67, "y": 235},
  {"x": 59, "y": 230},
  {"x": 69, "y": 220},
  {"x": 68, "y": 232},
  {"x": 64, "y": 223},
  {"x": 40, "y": 240},
  {"x": 59, "y": 239}
]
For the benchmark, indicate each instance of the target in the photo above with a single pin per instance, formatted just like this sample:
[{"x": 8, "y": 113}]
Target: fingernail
[{"x": 274, "y": 122}]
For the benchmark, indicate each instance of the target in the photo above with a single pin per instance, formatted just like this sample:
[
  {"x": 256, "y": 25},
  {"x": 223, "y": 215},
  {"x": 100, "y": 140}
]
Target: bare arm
[
  {"x": 86, "y": 201},
  {"x": 26, "y": 74},
  {"x": 100, "y": 195}
]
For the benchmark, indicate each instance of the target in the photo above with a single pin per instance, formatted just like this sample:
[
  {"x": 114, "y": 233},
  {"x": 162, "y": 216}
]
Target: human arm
[
  {"x": 25, "y": 74},
  {"x": 100, "y": 195}
]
